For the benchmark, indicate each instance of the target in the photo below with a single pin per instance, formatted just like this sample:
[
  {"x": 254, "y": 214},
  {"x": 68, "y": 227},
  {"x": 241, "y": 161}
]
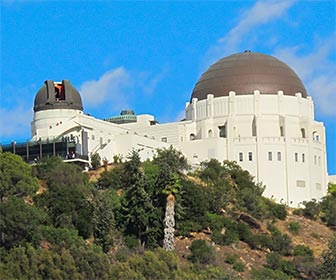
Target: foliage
[
  {"x": 18, "y": 221},
  {"x": 294, "y": 227},
  {"x": 328, "y": 267},
  {"x": 95, "y": 160},
  {"x": 104, "y": 230},
  {"x": 112, "y": 179},
  {"x": 302, "y": 250},
  {"x": 26, "y": 262},
  {"x": 66, "y": 200},
  {"x": 275, "y": 262},
  {"x": 201, "y": 252},
  {"x": 268, "y": 274},
  {"x": 331, "y": 188},
  {"x": 15, "y": 177},
  {"x": 328, "y": 209},
  {"x": 311, "y": 210}
]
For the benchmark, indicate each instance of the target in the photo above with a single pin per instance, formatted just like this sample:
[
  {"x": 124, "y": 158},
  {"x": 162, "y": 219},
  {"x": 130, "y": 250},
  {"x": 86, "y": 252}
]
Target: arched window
[
  {"x": 210, "y": 133},
  {"x": 192, "y": 137},
  {"x": 303, "y": 133},
  {"x": 316, "y": 136},
  {"x": 223, "y": 131}
]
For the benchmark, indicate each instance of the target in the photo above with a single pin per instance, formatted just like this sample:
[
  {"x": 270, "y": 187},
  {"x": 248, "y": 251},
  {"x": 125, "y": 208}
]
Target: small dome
[
  {"x": 245, "y": 72},
  {"x": 53, "y": 95}
]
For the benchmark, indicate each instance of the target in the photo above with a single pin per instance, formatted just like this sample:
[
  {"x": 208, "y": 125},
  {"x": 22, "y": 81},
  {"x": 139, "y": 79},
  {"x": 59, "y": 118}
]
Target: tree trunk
[{"x": 169, "y": 222}]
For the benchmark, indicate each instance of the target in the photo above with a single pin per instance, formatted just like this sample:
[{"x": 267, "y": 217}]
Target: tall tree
[{"x": 15, "y": 177}]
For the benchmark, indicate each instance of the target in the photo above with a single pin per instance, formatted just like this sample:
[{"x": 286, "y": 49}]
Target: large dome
[
  {"x": 245, "y": 72},
  {"x": 53, "y": 95}
]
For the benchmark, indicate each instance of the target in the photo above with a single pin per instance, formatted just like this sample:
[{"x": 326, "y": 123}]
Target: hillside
[{"x": 111, "y": 223}]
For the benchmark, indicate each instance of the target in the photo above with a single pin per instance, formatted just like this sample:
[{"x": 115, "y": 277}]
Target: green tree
[
  {"x": 136, "y": 207},
  {"x": 201, "y": 252},
  {"x": 67, "y": 198},
  {"x": 15, "y": 177},
  {"x": 103, "y": 220},
  {"x": 328, "y": 266},
  {"x": 95, "y": 161},
  {"x": 328, "y": 209},
  {"x": 18, "y": 221}
]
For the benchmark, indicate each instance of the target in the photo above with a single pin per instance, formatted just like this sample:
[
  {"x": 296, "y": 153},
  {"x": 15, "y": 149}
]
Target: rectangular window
[
  {"x": 270, "y": 156},
  {"x": 164, "y": 139},
  {"x": 250, "y": 156},
  {"x": 279, "y": 156},
  {"x": 315, "y": 160},
  {"x": 296, "y": 157},
  {"x": 240, "y": 156},
  {"x": 303, "y": 157},
  {"x": 300, "y": 183},
  {"x": 319, "y": 161}
]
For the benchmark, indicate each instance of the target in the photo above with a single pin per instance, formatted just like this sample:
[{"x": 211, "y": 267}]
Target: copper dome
[
  {"x": 57, "y": 96},
  {"x": 245, "y": 72}
]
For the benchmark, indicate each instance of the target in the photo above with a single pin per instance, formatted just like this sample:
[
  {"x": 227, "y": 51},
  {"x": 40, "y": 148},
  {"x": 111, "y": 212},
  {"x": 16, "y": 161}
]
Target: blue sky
[{"x": 147, "y": 56}]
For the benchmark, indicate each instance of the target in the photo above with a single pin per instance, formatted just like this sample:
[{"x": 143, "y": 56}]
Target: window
[
  {"x": 223, "y": 131},
  {"x": 250, "y": 156},
  {"x": 300, "y": 183},
  {"x": 296, "y": 157},
  {"x": 319, "y": 161},
  {"x": 303, "y": 133},
  {"x": 303, "y": 157},
  {"x": 192, "y": 136},
  {"x": 270, "y": 156},
  {"x": 240, "y": 156},
  {"x": 164, "y": 139},
  {"x": 93, "y": 137},
  {"x": 210, "y": 133},
  {"x": 282, "y": 134},
  {"x": 254, "y": 127},
  {"x": 315, "y": 160},
  {"x": 279, "y": 156}
]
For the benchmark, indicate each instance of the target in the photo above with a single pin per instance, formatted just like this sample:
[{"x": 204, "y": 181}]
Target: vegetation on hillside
[{"x": 113, "y": 228}]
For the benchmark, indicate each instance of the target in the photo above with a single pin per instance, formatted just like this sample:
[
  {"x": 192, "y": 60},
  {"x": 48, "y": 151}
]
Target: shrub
[
  {"x": 95, "y": 160},
  {"x": 302, "y": 250},
  {"x": 294, "y": 227},
  {"x": 201, "y": 252},
  {"x": 311, "y": 210},
  {"x": 267, "y": 273},
  {"x": 239, "y": 266},
  {"x": 231, "y": 259}
]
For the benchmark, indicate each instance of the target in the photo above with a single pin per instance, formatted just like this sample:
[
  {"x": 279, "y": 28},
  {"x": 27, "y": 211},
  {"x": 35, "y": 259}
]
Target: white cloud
[
  {"x": 110, "y": 87},
  {"x": 261, "y": 13},
  {"x": 317, "y": 72},
  {"x": 15, "y": 122},
  {"x": 150, "y": 85}
]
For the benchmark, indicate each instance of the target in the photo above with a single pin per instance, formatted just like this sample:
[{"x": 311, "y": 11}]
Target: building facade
[{"x": 248, "y": 107}]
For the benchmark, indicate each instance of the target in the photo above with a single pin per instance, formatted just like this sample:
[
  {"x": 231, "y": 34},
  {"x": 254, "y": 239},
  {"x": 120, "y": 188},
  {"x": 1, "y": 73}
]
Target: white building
[{"x": 247, "y": 107}]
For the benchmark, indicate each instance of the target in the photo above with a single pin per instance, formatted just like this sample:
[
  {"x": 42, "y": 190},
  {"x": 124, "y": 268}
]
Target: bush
[
  {"x": 311, "y": 210},
  {"x": 231, "y": 259},
  {"x": 239, "y": 266},
  {"x": 268, "y": 274},
  {"x": 201, "y": 252},
  {"x": 294, "y": 227},
  {"x": 95, "y": 161},
  {"x": 302, "y": 250}
]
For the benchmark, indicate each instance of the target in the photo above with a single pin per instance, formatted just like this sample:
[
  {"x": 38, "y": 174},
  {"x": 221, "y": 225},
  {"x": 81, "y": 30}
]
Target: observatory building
[{"x": 248, "y": 107}]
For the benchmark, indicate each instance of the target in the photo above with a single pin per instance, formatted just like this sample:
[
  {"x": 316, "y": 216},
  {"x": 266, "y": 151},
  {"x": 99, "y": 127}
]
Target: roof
[
  {"x": 245, "y": 72},
  {"x": 54, "y": 95}
]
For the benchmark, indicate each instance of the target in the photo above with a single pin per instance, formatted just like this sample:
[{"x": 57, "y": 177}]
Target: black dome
[
  {"x": 245, "y": 72},
  {"x": 57, "y": 96}
]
